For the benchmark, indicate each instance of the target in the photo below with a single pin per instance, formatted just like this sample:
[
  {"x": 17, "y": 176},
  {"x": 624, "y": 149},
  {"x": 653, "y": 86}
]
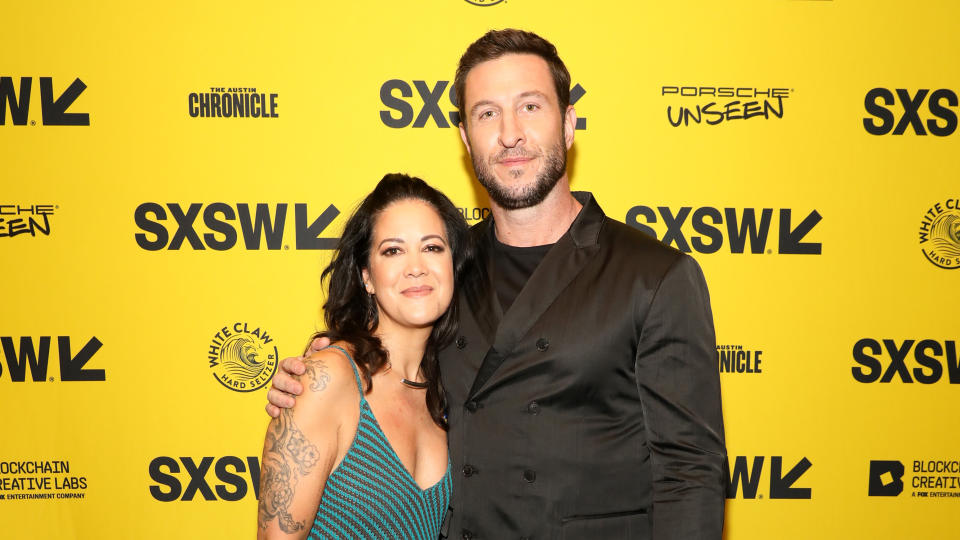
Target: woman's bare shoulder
[{"x": 329, "y": 371}]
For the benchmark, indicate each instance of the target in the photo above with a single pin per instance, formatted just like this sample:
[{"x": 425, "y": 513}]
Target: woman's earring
[{"x": 371, "y": 307}]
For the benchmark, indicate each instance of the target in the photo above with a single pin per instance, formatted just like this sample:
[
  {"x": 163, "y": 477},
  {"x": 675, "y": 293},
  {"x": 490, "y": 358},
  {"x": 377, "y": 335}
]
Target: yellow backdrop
[{"x": 173, "y": 174}]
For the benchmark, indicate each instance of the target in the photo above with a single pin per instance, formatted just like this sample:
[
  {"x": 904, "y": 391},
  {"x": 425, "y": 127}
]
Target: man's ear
[
  {"x": 569, "y": 125},
  {"x": 465, "y": 139},
  {"x": 367, "y": 284}
]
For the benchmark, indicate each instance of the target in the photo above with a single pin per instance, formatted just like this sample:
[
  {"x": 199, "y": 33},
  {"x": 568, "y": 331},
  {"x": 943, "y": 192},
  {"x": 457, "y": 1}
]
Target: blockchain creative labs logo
[
  {"x": 242, "y": 357},
  {"x": 32, "y": 219},
  {"x": 926, "y": 478},
  {"x": 940, "y": 234},
  {"x": 713, "y": 105},
  {"x": 739, "y": 359},
  {"x": 15, "y": 99},
  {"x": 40, "y": 479},
  {"x": 886, "y": 478},
  {"x": 473, "y": 213},
  {"x": 403, "y": 110},
  {"x": 232, "y": 102}
]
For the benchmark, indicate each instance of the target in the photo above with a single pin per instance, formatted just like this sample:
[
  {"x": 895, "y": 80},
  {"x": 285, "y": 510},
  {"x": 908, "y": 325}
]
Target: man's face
[{"x": 515, "y": 131}]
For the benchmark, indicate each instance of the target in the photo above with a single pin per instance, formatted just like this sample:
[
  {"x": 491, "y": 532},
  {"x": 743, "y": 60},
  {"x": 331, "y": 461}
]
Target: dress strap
[{"x": 353, "y": 365}]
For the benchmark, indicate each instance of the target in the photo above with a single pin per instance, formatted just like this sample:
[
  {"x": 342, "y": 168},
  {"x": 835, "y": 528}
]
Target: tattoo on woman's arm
[
  {"x": 317, "y": 371},
  {"x": 288, "y": 457}
]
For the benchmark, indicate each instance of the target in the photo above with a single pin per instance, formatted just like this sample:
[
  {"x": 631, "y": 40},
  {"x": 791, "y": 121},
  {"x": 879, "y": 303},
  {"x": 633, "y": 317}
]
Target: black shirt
[{"x": 512, "y": 267}]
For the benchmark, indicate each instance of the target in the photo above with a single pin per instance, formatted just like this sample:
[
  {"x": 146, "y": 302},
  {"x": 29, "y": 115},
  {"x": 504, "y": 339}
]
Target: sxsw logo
[
  {"x": 16, "y": 100},
  {"x": 224, "y": 225},
  {"x": 745, "y": 478},
  {"x": 741, "y": 229},
  {"x": 886, "y": 478},
  {"x": 932, "y": 361},
  {"x": 36, "y": 356},
  {"x": 939, "y": 103},
  {"x": 397, "y": 95},
  {"x": 234, "y": 478}
]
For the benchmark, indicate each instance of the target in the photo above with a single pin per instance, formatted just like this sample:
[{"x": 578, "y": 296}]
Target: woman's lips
[{"x": 421, "y": 290}]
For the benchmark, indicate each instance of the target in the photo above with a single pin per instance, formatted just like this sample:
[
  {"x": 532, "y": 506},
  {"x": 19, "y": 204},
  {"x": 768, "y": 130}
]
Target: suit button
[
  {"x": 542, "y": 344},
  {"x": 469, "y": 470},
  {"x": 533, "y": 407},
  {"x": 529, "y": 475},
  {"x": 466, "y": 535},
  {"x": 472, "y": 406},
  {"x": 461, "y": 342}
]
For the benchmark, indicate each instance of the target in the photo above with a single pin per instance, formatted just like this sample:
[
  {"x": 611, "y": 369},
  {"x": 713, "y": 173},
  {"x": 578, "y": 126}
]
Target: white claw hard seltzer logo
[
  {"x": 242, "y": 357},
  {"x": 940, "y": 234}
]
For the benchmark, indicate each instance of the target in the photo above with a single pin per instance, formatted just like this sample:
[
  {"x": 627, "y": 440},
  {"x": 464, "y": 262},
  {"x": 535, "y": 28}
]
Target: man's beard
[{"x": 555, "y": 164}]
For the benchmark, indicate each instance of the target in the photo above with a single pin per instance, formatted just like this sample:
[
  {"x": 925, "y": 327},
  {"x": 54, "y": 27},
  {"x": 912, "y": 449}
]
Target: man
[{"x": 583, "y": 392}]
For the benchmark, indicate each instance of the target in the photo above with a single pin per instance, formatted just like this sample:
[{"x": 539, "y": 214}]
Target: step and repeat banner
[{"x": 175, "y": 175}]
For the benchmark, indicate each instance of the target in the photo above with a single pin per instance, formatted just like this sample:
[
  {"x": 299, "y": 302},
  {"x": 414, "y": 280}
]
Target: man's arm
[
  {"x": 285, "y": 386},
  {"x": 679, "y": 385}
]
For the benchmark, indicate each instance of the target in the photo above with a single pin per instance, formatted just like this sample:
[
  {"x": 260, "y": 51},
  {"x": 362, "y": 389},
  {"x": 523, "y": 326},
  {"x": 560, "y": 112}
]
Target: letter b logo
[{"x": 886, "y": 478}]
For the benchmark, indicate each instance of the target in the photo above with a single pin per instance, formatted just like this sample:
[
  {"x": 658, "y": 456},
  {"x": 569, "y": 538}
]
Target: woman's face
[{"x": 411, "y": 265}]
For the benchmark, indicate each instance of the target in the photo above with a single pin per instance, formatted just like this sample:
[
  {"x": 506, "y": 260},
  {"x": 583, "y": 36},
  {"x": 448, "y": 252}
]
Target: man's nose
[{"x": 511, "y": 130}]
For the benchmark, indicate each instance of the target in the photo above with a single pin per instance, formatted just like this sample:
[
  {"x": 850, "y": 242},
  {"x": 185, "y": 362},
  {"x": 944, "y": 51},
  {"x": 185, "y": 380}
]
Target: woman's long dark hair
[{"x": 351, "y": 314}]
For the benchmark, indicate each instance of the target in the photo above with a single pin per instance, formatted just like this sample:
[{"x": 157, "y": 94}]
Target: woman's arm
[{"x": 302, "y": 445}]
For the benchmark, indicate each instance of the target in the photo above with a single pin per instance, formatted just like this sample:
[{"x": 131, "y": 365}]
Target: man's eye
[
  {"x": 486, "y": 114},
  {"x": 530, "y": 107}
]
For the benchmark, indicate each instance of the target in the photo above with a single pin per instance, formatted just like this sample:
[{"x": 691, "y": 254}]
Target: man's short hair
[{"x": 497, "y": 43}]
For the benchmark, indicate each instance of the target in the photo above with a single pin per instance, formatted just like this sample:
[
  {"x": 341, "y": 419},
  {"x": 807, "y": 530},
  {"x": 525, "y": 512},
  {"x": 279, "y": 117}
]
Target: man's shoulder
[
  {"x": 480, "y": 227},
  {"x": 623, "y": 241},
  {"x": 630, "y": 242}
]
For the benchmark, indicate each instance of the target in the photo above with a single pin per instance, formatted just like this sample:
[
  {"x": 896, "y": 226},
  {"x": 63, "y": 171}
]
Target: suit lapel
[
  {"x": 479, "y": 294},
  {"x": 558, "y": 268}
]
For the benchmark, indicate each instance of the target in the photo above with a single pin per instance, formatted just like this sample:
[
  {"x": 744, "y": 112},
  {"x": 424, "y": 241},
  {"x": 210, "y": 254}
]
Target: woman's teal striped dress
[{"x": 372, "y": 495}]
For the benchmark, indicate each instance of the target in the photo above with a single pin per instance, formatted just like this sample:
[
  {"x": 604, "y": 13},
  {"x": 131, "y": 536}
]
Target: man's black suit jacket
[{"x": 591, "y": 408}]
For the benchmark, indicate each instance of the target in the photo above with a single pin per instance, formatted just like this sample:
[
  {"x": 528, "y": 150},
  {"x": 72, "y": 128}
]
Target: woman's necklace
[
  {"x": 414, "y": 384},
  {"x": 408, "y": 382}
]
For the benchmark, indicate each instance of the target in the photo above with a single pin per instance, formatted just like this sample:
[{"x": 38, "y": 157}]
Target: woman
[{"x": 363, "y": 454}]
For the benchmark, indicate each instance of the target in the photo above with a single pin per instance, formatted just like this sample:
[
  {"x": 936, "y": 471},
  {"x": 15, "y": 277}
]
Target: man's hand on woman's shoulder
[{"x": 286, "y": 386}]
